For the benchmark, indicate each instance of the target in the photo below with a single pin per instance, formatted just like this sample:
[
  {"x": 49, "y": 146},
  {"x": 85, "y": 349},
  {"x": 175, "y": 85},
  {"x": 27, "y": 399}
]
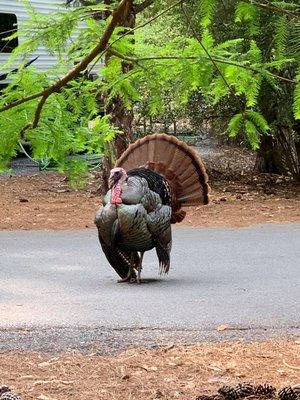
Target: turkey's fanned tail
[{"x": 177, "y": 162}]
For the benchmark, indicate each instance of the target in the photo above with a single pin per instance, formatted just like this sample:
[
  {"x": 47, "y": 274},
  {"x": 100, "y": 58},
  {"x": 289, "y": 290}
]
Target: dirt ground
[
  {"x": 165, "y": 373},
  {"x": 45, "y": 201}
]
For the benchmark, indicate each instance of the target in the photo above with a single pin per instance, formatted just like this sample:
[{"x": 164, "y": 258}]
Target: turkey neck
[{"x": 116, "y": 194}]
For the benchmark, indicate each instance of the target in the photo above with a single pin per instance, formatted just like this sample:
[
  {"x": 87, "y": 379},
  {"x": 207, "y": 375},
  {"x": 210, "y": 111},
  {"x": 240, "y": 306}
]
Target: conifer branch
[
  {"x": 195, "y": 35},
  {"x": 272, "y": 7},
  {"x": 21, "y": 101},
  {"x": 81, "y": 66},
  {"x": 194, "y": 58},
  {"x": 97, "y": 51}
]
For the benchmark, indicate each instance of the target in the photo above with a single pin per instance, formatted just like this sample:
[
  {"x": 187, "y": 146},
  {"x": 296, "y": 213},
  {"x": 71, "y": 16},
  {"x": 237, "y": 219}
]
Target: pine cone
[
  {"x": 296, "y": 389},
  {"x": 265, "y": 390},
  {"x": 244, "y": 389},
  {"x": 212, "y": 397},
  {"x": 10, "y": 396},
  {"x": 288, "y": 393},
  {"x": 228, "y": 392},
  {"x": 4, "y": 389}
]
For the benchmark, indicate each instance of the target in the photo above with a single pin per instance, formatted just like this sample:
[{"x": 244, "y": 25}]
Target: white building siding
[
  {"x": 17, "y": 7},
  {"x": 45, "y": 61}
]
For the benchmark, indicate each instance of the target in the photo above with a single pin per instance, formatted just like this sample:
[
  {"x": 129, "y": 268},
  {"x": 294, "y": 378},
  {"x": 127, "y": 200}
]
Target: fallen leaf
[
  {"x": 27, "y": 377},
  {"x": 222, "y": 327},
  {"x": 44, "y": 364},
  {"x": 41, "y": 383},
  {"x": 146, "y": 368}
]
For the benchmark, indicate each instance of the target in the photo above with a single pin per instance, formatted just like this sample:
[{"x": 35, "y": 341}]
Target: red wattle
[{"x": 116, "y": 194}]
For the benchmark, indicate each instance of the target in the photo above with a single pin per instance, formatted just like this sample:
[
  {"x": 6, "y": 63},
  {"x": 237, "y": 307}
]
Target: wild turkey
[{"x": 151, "y": 182}]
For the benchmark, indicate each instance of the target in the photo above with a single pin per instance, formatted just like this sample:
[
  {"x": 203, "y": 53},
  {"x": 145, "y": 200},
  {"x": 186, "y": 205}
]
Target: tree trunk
[
  {"x": 120, "y": 116},
  {"x": 268, "y": 158},
  {"x": 278, "y": 154}
]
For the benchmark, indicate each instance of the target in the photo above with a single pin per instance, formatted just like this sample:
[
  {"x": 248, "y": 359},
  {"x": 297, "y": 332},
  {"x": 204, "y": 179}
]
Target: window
[{"x": 8, "y": 25}]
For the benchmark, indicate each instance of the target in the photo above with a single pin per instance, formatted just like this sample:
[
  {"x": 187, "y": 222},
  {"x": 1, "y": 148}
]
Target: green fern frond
[
  {"x": 295, "y": 41},
  {"x": 254, "y": 53},
  {"x": 278, "y": 64},
  {"x": 252, "y": 91},
  {"x": 252, "y": 134},
  {"x": 287, "y": 5},
  {"x": 219, "y": 89},
  {"x": 207, "y": 39},
  {"x": 245, "y": 82},
  {"x": 281, "y": 35},
  {"x": 235, "y": 125},
  {"x": 296, "y": 103},
  {"x": 206, "y": 10},
  {"x": 270, "y": 79},
  {"x": 228, "y": 44},
  {"x": 249, "y": 14},
  {"x": 259, "y": 121}
]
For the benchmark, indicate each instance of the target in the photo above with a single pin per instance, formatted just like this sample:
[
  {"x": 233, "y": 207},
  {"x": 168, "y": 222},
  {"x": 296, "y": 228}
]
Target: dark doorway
[{"x": 8, "y": 26}]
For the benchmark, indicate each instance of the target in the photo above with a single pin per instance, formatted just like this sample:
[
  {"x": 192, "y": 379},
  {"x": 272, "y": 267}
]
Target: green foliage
[
  {"x": 12, "y": 121},
  {"x": 296, "y": 105},
  {"x": 225, "y": 52},
  {"x": 252, "y": 124},
  {"x": 258, "y": 120},
  {"x": 281, "y": 35},
  {"x": 67, "y": 126},
  {"x": 294, "y": 41},
  {"x": 249, "y": 14},
  {"x": 235, "y": 125},
  {"x": 206, "y": 10},
  {"x": 252, "y": 134}
]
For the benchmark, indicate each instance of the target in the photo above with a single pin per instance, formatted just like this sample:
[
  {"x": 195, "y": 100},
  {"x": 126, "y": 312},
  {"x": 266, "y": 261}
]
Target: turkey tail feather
[{"x": 176, "y": 161}]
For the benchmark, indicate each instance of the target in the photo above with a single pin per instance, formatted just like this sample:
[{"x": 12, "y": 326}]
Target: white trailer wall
[{"x": 45, "y": 61}]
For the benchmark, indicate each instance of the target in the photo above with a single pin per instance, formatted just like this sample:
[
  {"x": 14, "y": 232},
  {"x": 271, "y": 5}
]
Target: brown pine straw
[{"x": 183, "y": 372}]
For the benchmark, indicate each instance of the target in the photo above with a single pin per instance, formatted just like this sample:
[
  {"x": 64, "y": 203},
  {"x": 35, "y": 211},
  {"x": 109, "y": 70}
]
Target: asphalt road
[{"x": 247, "y": 277}]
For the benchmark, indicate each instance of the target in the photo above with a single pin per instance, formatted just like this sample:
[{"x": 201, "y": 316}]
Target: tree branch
[
  {"x": 272, "y": 7},
  {"x": 132, "y": 30},
  {"x": 213, "y": 58},
  {"x": 21, "y": 101},
  {"x": 195, "y": 34},
  {"x": 99, "y": 50},
  {"x": 141, "y": 7},
  {"x": 38, "y": 111},
  {"x": 73, "y": 73}
]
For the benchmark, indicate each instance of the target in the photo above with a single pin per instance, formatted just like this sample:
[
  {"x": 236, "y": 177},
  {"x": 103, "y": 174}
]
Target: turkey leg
[
  {"x": 131, "y": 276},
  {"x": 140, "y": 267}
]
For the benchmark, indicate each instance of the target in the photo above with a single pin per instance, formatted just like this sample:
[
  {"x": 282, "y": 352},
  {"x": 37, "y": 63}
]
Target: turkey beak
[{"x": 113, "y": 179}]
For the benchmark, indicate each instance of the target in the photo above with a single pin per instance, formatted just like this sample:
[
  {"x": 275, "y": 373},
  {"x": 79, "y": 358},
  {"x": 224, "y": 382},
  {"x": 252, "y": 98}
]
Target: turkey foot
[
  {"x": 124, "y": 280},
  {"x": 129, "y": 279},
  {"x": 131, "y": 276}
]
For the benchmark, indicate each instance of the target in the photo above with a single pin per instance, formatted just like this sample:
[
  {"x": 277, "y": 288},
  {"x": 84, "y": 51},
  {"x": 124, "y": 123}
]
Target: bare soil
[
  {"x": 239, "y": 197},
  {"x": 168, "y": 373},
  {"x": 45, "y": 201}
]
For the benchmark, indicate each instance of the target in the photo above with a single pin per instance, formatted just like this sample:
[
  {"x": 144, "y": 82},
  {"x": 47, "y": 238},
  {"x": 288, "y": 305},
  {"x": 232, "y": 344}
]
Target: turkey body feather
[
  {"x": 140, "y": 223},
  {"x": 162, "y": 176}
]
